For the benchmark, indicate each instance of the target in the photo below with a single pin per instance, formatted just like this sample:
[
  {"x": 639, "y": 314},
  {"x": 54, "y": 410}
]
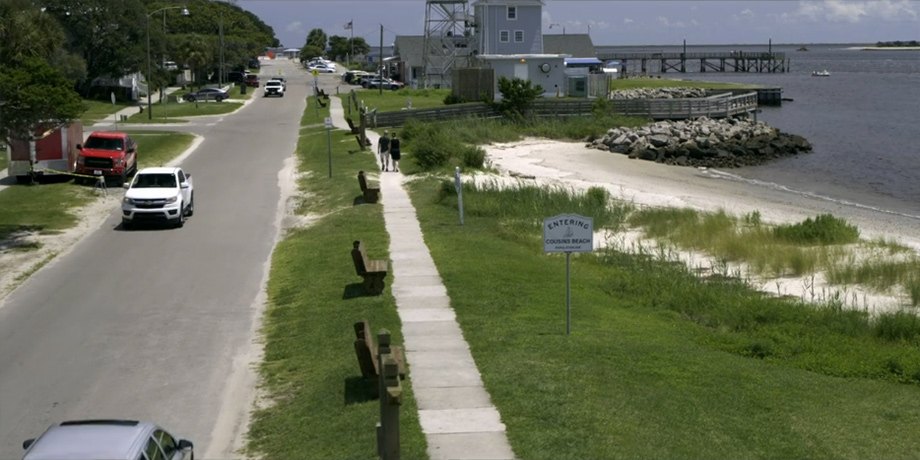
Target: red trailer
[{"x": 52, "y": 150}]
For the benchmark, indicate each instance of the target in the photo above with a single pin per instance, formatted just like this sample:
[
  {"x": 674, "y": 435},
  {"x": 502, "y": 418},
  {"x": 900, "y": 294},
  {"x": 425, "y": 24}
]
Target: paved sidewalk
[{"x": 455, "y": 411}]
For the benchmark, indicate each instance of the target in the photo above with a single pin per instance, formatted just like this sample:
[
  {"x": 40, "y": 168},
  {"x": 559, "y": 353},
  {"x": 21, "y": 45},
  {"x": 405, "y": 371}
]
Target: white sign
[
  {"x": 568, "y": 233},
  {"x": 328, "y": 122}
]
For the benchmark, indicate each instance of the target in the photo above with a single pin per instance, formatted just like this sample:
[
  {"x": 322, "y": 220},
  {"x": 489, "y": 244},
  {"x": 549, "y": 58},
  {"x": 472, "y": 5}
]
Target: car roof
[
  {"x": 109, "y": 134},
  {"x": 158, "y": 170},
  {"x": 83, "y": 439}
]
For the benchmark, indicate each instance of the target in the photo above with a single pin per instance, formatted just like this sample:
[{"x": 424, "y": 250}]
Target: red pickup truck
[{"x": 109, "y": 154}]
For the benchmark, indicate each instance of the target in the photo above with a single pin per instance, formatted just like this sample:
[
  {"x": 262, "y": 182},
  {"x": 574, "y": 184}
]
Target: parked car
[
  {"x": 386, "y": 83},
  {"x": 207, "y": 94},
  {"x": 252, "y": 80},
  {"x": 274, "y": 88},
  {"x": 321, "y": 68},
  {"x": 107, "y": 154},
  {"x": 111, "y": 439},
  {"x": 158, "y": 195},
  {"x": 353, "y": 77},
  {"x": 237, "y": 76}
]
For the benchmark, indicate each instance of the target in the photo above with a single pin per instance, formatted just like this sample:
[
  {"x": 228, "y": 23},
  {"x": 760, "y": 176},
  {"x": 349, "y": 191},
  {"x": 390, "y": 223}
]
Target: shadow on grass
[
  {"x": 355, "y": 290},
  {"x": 360, "y": 390},
  {"x": 16, "y": 237}
]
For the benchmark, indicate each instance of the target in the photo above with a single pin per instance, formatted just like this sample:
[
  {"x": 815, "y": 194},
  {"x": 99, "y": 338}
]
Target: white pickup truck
[
  {"x": 274, "y": 88},
  {"x": 158, "y": 195}
]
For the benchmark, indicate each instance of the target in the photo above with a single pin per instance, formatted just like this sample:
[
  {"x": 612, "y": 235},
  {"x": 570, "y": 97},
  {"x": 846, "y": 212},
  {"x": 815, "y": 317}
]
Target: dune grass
[
  {"x": 660, "y": 363},
  {"x": 390, "y": 100},
  {"x": 824, "y": 243}
]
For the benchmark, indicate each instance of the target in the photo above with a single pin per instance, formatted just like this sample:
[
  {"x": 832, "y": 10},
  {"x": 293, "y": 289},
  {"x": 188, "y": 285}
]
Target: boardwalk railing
[{"x": 716, "y": 106}]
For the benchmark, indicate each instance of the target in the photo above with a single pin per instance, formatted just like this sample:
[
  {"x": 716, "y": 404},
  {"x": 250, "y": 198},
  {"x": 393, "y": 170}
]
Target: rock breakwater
[
  {"x": 723, "y": 143},
  {"x": 658, "y": 93}
]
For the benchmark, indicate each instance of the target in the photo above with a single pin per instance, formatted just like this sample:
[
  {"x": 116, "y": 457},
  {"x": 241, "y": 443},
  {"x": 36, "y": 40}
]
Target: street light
[{"x": 149, "y": 74}]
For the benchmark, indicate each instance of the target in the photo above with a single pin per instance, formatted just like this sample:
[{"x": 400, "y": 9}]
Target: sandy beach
[{"x": 646, "y": 183}]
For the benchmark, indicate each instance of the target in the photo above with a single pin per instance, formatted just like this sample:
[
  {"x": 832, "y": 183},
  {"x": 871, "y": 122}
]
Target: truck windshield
[
  {"x": 155, "y": 181},
  {"x": 102, "y": 143}
]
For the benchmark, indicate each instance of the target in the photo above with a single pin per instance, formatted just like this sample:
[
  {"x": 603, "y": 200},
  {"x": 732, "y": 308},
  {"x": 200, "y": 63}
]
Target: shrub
[
  {"x": 824, "y": 229},
  {"x": 454, "y": 99},
  {"x": 472, "y": 156},
  {"x": 517, "y": 97}
]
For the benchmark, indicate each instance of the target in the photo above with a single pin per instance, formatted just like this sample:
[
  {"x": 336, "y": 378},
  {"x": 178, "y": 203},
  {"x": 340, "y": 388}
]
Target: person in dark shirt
[
  {"x": 383, "y": 149},
  {"x": 394, "y": 152}
]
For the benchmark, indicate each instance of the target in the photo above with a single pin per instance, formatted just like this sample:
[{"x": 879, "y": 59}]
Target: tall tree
[
  {"x": 33, "y": 93},
  {"x": 109, "y": 35},
  {"x": 317, "y": 38},
  {"x": 341, "y": 47}
]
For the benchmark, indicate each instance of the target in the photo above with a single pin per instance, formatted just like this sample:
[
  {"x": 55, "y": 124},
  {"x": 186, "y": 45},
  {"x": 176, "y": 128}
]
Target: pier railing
[{"x": 715, "y": 106}]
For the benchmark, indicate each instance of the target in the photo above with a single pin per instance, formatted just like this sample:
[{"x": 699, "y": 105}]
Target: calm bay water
[{"x": 862, "y": 122}]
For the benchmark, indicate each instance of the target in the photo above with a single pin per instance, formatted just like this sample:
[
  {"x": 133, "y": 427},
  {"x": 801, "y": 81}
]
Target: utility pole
[
  {"x": 380, "y": 58},
  {"x": 220, "y": 34}
]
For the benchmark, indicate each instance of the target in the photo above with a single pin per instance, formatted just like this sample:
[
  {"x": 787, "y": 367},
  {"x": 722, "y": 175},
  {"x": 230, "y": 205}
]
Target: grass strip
[
  {"x": 660, "y": 364},
  {"x": 318, "y": 404}
]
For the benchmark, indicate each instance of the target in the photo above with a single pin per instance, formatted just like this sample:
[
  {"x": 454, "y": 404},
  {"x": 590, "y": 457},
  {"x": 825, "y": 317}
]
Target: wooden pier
[{"x": 727, "y": 61}]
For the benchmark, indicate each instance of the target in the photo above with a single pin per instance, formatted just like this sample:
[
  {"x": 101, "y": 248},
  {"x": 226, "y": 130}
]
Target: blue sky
[{"x": 618, "y": 22}]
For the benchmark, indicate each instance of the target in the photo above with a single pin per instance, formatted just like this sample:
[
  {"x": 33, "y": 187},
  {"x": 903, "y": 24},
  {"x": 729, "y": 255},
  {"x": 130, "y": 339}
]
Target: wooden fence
[{"x": 716, "y": 106}]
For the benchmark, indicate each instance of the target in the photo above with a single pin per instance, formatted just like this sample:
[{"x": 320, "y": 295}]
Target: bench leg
[{"x": 373, "y": 284}]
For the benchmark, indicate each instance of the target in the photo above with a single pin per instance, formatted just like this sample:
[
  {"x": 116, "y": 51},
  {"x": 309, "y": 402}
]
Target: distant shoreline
[{"x": 886, "y": 48}]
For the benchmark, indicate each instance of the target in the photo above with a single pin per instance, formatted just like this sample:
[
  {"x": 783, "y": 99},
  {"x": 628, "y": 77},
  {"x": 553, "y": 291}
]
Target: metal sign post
[
  {"x": 328, "y": 122},
  {"x": 568, "y": 233},
  {"x": 459, "y": 186}
]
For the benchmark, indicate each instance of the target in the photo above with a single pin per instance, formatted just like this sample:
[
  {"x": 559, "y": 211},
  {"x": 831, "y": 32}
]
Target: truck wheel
[
  {"x": 180, "y": 222},
  {"x": 190, "y": 209},
  {"x": 126, "y": 224},
  {"x": 121, "y": 179}
]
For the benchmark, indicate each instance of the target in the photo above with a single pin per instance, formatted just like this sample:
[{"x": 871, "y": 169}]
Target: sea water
[{"x": 863, "y": 122}]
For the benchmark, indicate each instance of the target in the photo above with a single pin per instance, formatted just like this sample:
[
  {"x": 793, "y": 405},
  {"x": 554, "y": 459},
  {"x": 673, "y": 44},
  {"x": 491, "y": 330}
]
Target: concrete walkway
[{"x": 455, "y": 411}]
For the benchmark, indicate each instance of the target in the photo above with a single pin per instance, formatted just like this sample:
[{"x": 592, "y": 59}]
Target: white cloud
[
  {"x": 295, "y": 26},
  {"x": 628, "y": 21},
  {"x": 746, "y": 14},
  {"x": 853, "y": 11},
  {"x": 667, "y": 23}
]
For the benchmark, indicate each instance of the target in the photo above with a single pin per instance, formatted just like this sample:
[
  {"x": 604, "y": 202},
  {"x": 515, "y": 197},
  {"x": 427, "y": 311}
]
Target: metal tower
[{"x": 448, "y": 39}]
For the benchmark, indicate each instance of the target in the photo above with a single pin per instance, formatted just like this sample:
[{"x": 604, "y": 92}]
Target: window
[
  {"x": 512, "y": 13},
  {"x": 166, "y": 442},
  {"x": 519, "y": 36},
  {"x": 503, "y": 36},
  {"x": 153, "y": 450}
]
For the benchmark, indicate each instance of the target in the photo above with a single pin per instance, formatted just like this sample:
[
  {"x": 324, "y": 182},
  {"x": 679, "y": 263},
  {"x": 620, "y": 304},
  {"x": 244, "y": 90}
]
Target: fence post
[{"x": 390, "y": 391}]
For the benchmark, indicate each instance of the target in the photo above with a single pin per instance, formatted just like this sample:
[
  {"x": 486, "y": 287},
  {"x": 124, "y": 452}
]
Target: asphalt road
[{"x": 159, "y": 324}]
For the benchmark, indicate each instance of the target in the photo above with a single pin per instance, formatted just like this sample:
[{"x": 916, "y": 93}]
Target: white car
[
  {"x": 274, "y": 88},
  {"x": 158, "y": 195},
  {"x": 321, "y": 68}
]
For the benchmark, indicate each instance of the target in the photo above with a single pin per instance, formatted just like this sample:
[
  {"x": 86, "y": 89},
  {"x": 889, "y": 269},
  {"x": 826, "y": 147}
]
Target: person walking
[
  {"x": 394, "y": 151},
  {"x": 383, "y": 150}
]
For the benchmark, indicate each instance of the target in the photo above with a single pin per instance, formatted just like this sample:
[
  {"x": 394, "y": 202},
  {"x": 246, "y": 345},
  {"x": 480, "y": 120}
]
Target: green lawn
[
  {"x": 51, "y": 205},
  {"x": 659, "y": 364},
  {"x": 175, "y": 112},
  {"x": 396, "y": 100},
  {"x": 98, "y": 110},
  {"x": 320, "y": 406}
]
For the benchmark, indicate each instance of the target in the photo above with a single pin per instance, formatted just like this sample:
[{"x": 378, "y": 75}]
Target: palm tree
[{"x": 195, "y": 52}]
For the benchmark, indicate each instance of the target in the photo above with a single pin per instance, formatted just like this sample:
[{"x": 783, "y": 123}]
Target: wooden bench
[
  {"x": 366, "y": 351},
  {"x": 373, "y": 271},
  {"x": 370, "y": 194}
]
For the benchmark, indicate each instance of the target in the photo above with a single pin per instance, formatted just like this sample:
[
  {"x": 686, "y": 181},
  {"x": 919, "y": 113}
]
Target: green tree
[
  {"x": 195, "y": 51},
  {"x": 110, "y": 36},
  {"x": 317, "y": 38},
  {"x": 33, "y": 93},
  {"x": 309, "y": 52},
  {"x": 342, "y": 47},
  {"x": 517, "y": 97},
  {"x": 26, "y": 31}
]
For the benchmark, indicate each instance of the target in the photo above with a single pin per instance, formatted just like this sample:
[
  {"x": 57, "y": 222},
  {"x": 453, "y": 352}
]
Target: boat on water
[
  {"x": 802, "y": 49},
  {"x": 820, "y": 73}
]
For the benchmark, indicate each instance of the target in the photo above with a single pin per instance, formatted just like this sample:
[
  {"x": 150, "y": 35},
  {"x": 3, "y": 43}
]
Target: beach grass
[
  {"x": 51, "y": 206},
  {"x": 660, "y": 363},
  {"x": 318, "y": 405},
  {"x": 825, "y": 243}
]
